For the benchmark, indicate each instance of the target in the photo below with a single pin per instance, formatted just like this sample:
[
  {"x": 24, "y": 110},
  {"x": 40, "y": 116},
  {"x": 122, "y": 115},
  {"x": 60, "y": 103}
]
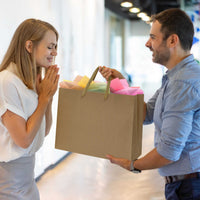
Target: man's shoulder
[
  {"x": 187, "y": 78},
  {"x": 190, "y": 71}
]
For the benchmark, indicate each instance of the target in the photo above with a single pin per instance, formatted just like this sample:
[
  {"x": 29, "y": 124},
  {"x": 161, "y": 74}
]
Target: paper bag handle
[{"x": 92, "y": 79}]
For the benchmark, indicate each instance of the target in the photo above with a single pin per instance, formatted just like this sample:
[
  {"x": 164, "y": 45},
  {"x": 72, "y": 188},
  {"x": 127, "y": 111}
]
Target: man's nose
[{"x": 148, "y": 43}]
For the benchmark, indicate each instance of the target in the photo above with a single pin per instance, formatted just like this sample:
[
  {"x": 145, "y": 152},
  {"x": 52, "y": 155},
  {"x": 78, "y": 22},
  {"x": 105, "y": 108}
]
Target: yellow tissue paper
[{"x": 83, "y": 82}]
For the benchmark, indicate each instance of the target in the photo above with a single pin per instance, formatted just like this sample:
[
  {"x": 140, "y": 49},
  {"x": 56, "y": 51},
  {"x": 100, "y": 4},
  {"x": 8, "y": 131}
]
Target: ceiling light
[
  {"x": 126, "y": 4},
  {"x": 134, "y": 10},
  {"x": 142, "y": 14},
  {"x": 146, "y": 18}
]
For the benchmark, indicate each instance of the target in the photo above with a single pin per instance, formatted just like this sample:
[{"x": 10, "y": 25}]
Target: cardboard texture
[{"x": 96, "y": 126}]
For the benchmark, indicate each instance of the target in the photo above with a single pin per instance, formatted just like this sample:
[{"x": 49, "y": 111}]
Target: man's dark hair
[{"x": 176, "y": 21}]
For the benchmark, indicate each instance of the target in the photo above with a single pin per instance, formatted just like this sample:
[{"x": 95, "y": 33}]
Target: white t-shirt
[{"x": 16, "y": 97}]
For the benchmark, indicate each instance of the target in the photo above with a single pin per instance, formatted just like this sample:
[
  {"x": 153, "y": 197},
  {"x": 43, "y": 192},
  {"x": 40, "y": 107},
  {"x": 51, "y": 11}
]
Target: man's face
[{"x": 157, "y": 45}]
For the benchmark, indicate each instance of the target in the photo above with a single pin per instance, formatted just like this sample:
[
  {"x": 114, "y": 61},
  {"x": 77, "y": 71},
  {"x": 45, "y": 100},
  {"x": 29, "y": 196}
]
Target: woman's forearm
[
  {"x": 48, "y": 116},
  {"x": 34, "y": 122}
]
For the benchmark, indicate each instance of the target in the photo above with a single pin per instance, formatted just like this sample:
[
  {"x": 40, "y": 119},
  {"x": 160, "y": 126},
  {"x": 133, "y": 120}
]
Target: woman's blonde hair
[{"x": 33, "y": 30}]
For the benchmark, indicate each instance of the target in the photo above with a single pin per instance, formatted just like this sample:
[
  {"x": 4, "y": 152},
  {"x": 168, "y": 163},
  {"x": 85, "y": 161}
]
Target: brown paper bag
[{"x": 93, "y": 124}]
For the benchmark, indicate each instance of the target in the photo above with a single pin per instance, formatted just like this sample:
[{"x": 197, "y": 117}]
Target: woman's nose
[{"x": 54, "y": 52}]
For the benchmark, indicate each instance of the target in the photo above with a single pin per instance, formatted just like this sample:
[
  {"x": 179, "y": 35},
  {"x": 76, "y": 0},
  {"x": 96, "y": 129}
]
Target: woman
[{"x": 25, "y": 105}]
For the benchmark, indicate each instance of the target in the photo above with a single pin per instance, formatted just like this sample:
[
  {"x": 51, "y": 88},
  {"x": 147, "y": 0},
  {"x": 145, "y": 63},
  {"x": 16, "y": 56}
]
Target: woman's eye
[{"x": 50, "y": 48}]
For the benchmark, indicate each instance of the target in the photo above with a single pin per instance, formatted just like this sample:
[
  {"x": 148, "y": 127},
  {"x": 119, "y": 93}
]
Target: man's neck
[{"x": 175, "y": 59}]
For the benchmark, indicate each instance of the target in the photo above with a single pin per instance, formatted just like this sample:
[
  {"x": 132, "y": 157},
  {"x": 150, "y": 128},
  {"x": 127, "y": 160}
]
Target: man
[{"x": 174, "y": 108}]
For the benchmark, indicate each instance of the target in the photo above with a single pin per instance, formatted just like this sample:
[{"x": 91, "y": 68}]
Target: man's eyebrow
[{"x": 152, "y": 35}]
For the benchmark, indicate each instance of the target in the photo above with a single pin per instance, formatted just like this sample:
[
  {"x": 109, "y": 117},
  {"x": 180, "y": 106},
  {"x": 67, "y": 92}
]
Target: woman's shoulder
[
  {"x": 11, "y": 76},
  {"x": 7, "y": 78}
]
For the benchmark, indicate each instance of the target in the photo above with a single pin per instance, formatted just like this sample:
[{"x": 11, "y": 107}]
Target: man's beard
[{"x": 163, "y": 56}]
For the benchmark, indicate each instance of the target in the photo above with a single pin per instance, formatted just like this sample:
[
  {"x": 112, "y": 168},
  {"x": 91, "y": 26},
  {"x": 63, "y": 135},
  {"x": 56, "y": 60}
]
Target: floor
[{"x": 82, "y": 177}]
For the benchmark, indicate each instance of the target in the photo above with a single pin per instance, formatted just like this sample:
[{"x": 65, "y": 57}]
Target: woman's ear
[{"x": 29, "y": 46}]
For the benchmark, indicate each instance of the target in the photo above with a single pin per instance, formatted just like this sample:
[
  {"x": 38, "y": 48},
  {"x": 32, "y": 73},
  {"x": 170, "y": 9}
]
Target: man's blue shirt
[{"x": 175, "y": 111}]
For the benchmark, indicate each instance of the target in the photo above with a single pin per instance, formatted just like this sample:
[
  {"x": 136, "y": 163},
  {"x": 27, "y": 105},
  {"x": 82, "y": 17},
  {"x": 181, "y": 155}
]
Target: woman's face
[{"x": 45, "y": 51}]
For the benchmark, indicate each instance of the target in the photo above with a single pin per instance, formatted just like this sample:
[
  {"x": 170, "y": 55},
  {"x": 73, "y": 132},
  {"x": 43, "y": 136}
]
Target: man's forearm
[
  {"x": 152, "y": 160},
  {"x": 145, "y": 111}
]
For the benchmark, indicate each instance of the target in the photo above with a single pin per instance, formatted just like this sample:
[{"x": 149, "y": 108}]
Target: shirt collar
[{"x": 181, "y": 64}]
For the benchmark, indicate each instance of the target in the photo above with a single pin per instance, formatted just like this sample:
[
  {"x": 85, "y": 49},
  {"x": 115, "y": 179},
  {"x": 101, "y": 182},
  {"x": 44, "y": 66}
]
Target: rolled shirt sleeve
[{"x": 10, "y": 100}]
